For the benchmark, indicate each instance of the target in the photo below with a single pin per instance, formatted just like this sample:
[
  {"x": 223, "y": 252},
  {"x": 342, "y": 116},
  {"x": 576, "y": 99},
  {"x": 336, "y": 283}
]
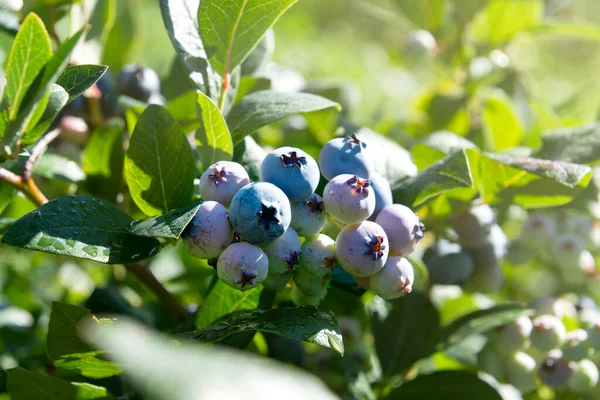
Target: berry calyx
[
  {"x": 292, "y": 160},
  {"x": 268, "y": 216},
  {"x": 218, "y": 177},
  {"x": 315, "y": 205},
  {"x": 375, "y": 247},
  {"x": 293, "y": 260},
  {"x": 247, "y": 278},
  {"x": 359, "y": 186}
]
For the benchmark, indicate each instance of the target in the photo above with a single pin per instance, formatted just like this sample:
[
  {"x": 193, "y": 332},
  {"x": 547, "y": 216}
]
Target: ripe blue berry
[
  {"x": 575, "y": 346},
  {"x": 344, "y": 155},
  {"x": 448, "y": 263},
  {"x": 283, "y": 252},
  {"x": 394, "y": 280},
  {"x": 555, "y": 371},
  {"x": 403, "y": 228},
  {"x": 548, "y": 332},
  {"x": 349, "y": 198},
  {"x": 138, "y": 82},
  {"x": 308, "y": 216},
  {"x": 474, "y": 226},
  {"x": 362, "y": 249},
  {"x": 521, "y": 371},
  {"x": 291, "y": 170},
  {"x": 209, "y": 232},
  {"x": 242, "y": 266},
  {"x": 222, "y": 180},
  {"x": 318, "y": 255},
  {"x": 383, "y": 194},
  {"x": 585, "y": 377},
  {"x": 260, "y": 212},
  {"x": 512, "y": 337}
]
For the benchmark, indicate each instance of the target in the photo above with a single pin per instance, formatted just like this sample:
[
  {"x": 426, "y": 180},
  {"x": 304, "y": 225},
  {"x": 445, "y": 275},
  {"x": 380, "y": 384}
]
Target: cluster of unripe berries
[
  {"x": 541, "y": 350},
  {"x": 562, "y": 241},
  {"x": 269, "y": 232},
  {"x": 473, "y": 260}
]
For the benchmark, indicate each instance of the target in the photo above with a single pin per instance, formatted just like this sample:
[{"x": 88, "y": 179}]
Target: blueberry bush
[{"x": 302, "y": 199}]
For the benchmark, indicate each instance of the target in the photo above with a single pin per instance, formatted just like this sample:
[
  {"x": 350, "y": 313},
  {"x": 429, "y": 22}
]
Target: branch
[
  {"x": 143, "y": 273},
  {"x": 38, "y": 149},
  {"x": 28, "y": 187}
]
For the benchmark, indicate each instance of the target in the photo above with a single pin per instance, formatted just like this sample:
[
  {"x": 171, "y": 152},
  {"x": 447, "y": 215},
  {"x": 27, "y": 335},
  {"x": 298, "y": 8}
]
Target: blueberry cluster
[
  {"x": 270, "y": 232},
  {"x": 473, "y": 260},
  {"x": 541, "y": 350}
]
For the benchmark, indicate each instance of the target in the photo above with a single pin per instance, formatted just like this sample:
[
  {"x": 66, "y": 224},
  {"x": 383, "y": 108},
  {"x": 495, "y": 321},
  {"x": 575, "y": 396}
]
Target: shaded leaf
[
  {"x": 578, "y": 144},
  {"x": 78, "y": 78},
  {"x": 500, "y": 20},
  {"x": 184, "y": 109},
  {"x": 159, "y": 164},
  {"x": 27, "y": 385},
  {"x": 231, "y": 29},
  {"x": 55, "y": 166},
  {"x": 223, "y": 300},
  {"x": 501, "y": 125},
  {"x": 213, "y": 140},
  {"x": 444, "y": 385},
  {"x": 250, "y": 155},
  {"x": 426, "y": 14},
  {"x": 169, "y": 226},
  {"x": 264, "y": 107},
  {"x": 307, "y": 323},
  {"x": 81, "y": 226},
  {"x": 57, "y": 100},
  {"x": 67, "y": 350}
]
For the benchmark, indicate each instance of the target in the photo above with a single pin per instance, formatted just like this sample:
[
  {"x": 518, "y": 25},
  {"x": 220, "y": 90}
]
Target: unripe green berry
[
  {"x": 548, "y": 332},
  {"x": 575, "y": 347},
  {"x": 488, "y": 360},
  {"x": 301, "y": 299},
  {"x": 521, "y": 372},
  {"x": 277, "y": 281},
  {"x": 311, "y": 285},
  {"x": 585, "y": 377},
  {"x": 512, "y": 337},
  {"x": 594, "y": 336}
]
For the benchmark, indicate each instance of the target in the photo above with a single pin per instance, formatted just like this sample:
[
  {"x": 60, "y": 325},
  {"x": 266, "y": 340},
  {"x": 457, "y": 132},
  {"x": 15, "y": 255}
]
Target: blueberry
[
  {"x": 488, "y": 360},
  {"x": 521, "y": 371},
  {"x": 300, "y": 298},
  {"x": 308, "y": 216},
  {"x": 575, "y": 346},
  {"x": 538, "y": 231},
  {"x": 74, "y": 129},
  {"x": 394, "y": 280},
  {"x": 554, "y": 370},
  {"x": 485, "y": 280},
  {"x": 318, "y": 255},
  {"x": 311, "y": 285},
  {"x": 108, "y": 95},
  {"x": 403, "y": 228},
  {"x": 558, "y": 307},
  {"x": 362, "y": 249},
  {"x": 594, "y": 336},
  {"x": 283, "y": 252},
  {"x": 588, "y": 318},
  {"x": 420, "y": 43},
  {"x": 577, "y": 274},
  {"x": 344, "y": 155},
  {"x": 578, "y": 224},
  {"x": 222, "y": 180},
  {"x": 548, "y": 332},
  {"x": 138, "y": 82},
  {"x": 512, "y": 337},
  {"x": 291, "y": 170},
  {"x": 448, "y": 263},
  {"x": 277, "y": 281},
  {"x": 242, "y": 266},
  {"x": 518, "y": 253},
  {"x": 209, "y": 232},
  {"x": 585, "y": 377},
  {"x": 383, "y": 194},
  {"x": 474, "y": 226},
  {"x": 349, "y": 198},
  {"x": 260, "y": 212},
  {"x": 489, "y": 255},
  {"x": 585, "y": 303},
  {"x": 566, "y": 250}
]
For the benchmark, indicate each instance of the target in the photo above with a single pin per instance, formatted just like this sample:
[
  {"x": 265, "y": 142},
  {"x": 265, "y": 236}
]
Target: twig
[
  {"x": 28, "y": 187},
  {"x": 38, "y": 149},
  {"x": 143, "y": 273}
]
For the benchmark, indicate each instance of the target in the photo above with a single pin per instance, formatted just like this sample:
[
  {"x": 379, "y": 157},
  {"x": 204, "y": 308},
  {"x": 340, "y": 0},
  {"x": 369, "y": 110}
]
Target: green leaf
[
  {"x": 478, "y": 322},
  {"x": 213, "y": 140},
  {"x": 57, "y": 100},
  {"x": 444, "y": 385},
  {"x": 162, "y": 370},
  {"x": 500, "y": 20},
  {"x": 578, "y": 144},
  {"x": 250, "y": 155},
  {"x": 426, "y": 14},
  {"x": 181, "y": 20},
  {"x": 224, "y": 300},
  {"x": 264, "y": 107},
  {"x": 55, "y": 166},
  {"x": 437, "y": 146},
  {"x": 231, "y": 29},
  {"x": 27, "y": 385},
  {"x": 184, "y": 109},
  {"x": 103, "y": 160},
  {"x": 30, "y": 52},
  {"x": 529, "y": 182},
  {"x": 501, "y": 125},
  {"x": 452, "y": 172},
  {"x": 77, "y": 79},
  {"x": 169, "y": 226},
  {"x": 67, "y": 350},
  {"x": 81, "y": 226},
  {"x": 407, "y": 334},
  {"x": 308, "y": 324},
  {"x": 52, "y": 69},
  {"x": 159, "y": 164}
]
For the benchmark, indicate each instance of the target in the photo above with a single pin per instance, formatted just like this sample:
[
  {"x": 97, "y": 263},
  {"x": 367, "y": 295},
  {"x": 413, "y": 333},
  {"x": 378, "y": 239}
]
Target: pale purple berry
[
  {"x": 222, "y": 180},
  {"x": 209, "y": 232},
  {"x": 283, "y": 252},
  {"x": 383, "y": 194},
  {"x": 243, "y": 266},
  {"x": 394, "y": 280},
  {"x": 554, "y": 370},
  {"x": 362, "y": 249},
  {"x": 474, "y": 226},
  {"x": 308, "y": 216},
  {"x": 349, "y": 198},
  {"x": 403, "y": 228}
]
